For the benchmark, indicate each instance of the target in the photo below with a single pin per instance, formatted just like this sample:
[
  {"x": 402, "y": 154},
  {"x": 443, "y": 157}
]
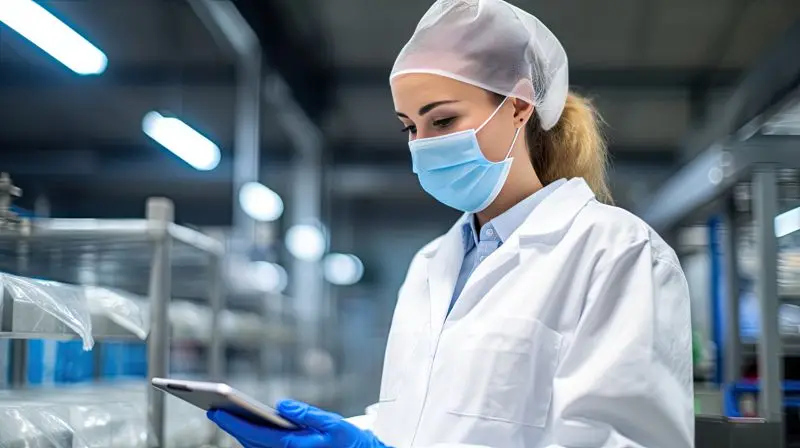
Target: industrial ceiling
[{"x": 657, "y": 69}]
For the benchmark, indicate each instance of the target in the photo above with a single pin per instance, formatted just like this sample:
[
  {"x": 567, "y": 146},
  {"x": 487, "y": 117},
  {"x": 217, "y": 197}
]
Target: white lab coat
[{"x": 574, "y": 333}]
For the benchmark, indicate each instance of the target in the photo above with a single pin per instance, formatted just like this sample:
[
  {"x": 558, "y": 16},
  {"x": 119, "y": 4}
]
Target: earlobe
[{"x": 522, "y": 110}]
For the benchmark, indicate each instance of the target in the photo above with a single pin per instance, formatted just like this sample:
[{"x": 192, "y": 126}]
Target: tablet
[{"x": 208, "y": 396}]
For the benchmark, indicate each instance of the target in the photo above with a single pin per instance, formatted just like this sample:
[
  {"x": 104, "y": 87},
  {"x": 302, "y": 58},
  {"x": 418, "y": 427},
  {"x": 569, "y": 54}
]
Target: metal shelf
[
  {"x": 130, "y": 260},
  {"x": 698, "y": 187},
  {"x": 152, "y": 257},
  {"x": 115, "y": 253},
  {"x": 29, "y": 321},
  {"x": 790, "y": 346}
]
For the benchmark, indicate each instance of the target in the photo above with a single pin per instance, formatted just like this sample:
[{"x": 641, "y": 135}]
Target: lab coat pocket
[
  {"x": 399, "y": 354},
  {"x": 505, "y": 372}
]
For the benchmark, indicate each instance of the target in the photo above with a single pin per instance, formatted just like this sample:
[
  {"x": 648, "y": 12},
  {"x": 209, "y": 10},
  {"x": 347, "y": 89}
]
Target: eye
[
  {"x": 409, "y": 129},
  {"x": 444, "y": 122}
]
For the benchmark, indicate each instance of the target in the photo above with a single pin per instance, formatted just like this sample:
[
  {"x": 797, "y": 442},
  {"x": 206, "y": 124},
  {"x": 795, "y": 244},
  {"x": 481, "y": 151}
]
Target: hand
[{"x": 320, "y": 429}]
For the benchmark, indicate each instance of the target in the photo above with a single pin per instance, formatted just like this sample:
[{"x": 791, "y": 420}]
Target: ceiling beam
[
  {"x": 590, "y": 78},
  {"x": 773, "y": 81},
  {"x": 770, "y": 81},
  {"x": 296, "y": 47}
]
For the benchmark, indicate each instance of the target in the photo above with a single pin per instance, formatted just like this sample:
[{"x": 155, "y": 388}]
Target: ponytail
[{"x": 574, "y": 147}]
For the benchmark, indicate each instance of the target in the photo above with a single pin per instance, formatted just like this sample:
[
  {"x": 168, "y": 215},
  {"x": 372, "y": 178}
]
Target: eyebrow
[{"x": 427, "y": 108}]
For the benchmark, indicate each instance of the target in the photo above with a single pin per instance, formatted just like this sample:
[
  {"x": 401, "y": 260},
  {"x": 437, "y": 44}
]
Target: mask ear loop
[
  {"x": 513, "y": 142},
  {"x": 516, "y": 134},
  {"x": 491, "y": 116}
]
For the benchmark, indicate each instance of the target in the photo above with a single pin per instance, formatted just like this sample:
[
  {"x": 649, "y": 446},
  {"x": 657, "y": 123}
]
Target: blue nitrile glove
[{"x": 320, "y": 430}]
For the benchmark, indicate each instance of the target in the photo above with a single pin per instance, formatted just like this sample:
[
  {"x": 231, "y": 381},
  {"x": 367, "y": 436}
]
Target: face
[{"x": 432, "y": 106}]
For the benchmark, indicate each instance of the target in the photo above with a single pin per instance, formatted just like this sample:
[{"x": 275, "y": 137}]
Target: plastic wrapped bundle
[
  {"x": 126, "y": 310},
  {"x": 94, "y": 417},
  {"x": 35, "y": 426},
  {"x": 65, "y": 304}
]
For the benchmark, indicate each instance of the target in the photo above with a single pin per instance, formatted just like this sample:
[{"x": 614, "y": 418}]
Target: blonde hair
[{"x": 574, "y": 147}]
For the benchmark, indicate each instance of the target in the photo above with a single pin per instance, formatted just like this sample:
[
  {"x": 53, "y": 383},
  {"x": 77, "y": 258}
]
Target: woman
[{"x": 544, "y": 317}]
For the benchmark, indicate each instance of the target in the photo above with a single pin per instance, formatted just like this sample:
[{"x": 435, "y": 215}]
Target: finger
[
  {"x": 306, "y": 415},
  {"x": 242, "y": 429},
  {"x": 306, "y": 440}
]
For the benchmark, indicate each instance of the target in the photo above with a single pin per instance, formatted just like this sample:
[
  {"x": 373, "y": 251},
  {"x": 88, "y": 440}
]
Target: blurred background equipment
[{"x": 292, "y": 211}]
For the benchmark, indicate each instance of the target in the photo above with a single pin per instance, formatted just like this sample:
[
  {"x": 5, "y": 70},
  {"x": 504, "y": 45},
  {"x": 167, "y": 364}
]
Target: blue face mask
[{"x": 453, "y": 169}]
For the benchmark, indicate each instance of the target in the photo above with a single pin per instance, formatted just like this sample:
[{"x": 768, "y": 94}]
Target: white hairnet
[{"x": 493, "y": 45}]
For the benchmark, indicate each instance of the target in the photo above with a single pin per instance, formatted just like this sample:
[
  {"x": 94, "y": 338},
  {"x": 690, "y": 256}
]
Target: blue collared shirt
[{"x": 479, "y": 246}]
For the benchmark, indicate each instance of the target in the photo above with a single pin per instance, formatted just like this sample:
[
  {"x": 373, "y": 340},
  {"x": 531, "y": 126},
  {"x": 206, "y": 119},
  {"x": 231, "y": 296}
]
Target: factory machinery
[
  {"x": 101, "y": 283},
  {"x": 744, "y": 193}
]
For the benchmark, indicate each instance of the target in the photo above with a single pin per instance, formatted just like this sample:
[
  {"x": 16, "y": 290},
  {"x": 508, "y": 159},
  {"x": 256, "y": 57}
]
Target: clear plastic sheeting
[
  {"x": 126, "y": 310},
  {"x": 107, "y": 416},
  {"x": 65, "y": 303}
]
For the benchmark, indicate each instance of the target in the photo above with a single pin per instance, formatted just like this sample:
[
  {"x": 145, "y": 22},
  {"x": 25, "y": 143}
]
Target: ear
[{"x": 522, "y": 111}]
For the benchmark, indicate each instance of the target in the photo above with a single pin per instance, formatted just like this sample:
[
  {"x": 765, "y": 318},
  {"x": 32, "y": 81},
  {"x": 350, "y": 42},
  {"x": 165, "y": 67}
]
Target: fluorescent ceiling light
[
  {"x": 183, "y": 141},
  {"x": 53, "y": 36},
  {"x": 343, "y": 269},
  {"x": 260, "y": 203},
  {"x": 306, "y": 242}
]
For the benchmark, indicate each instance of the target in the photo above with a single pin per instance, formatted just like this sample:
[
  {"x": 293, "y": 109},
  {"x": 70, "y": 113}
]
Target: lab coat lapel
[
  {"x": 553, "y": 217},
  {"x": 546, "y": 224},
  {"x": 486, "y": 276},
  {"x": 443, "y": 269}
]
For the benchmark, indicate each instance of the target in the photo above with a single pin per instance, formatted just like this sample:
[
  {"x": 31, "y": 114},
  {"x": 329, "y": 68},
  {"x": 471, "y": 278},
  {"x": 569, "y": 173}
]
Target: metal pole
[
  {"x": 216, "y": 356},
  {"x": 19, "y": 347},
  {"x": 733, "y": 342},
  {"x": 231, "y": 30},
  {"x": 216, "y": 360},
  {"x": 308, "y": 290},
  {"x": 765, "y": 208},
  {"x": 307, "y": 285},
  {"x": 160, "y": 213},
  {"x": 15, "y": 362},
  {"x": 19, "y": 363},
  {"x": 246, "y": 160}
]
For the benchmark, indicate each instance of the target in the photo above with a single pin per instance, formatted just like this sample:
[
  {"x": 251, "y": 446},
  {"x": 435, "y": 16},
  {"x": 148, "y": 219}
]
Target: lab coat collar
[
  {"x": 552, "y": 216},
  {"x": 548, "y": 221},
  {"x": 432, "y": 249},
  {"x": 545, "y": 225},
  {"x": 555, "y": 214}
]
